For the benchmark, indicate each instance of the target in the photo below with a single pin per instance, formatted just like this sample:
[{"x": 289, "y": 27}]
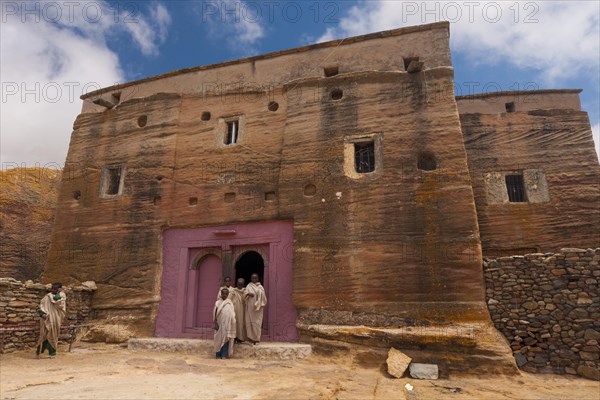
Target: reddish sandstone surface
[{"x": 27, "y": 204}]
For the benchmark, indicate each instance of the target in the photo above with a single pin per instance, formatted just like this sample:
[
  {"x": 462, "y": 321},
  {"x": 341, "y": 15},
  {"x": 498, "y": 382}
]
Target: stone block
[
  {"x": 588, "y": 356},
  {"x": 589, "y": 372},
  {"x": 423, "y": 371},
  {"x": 397, "y": 362},
  {"x": 520, "y": 359},
  {"x": 591, "y": 334}
]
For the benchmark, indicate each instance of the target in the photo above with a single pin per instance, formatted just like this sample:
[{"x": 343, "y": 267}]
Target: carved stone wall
[
  {"x": 399, "y": 241},
  {"x": 552, "y": 149}
]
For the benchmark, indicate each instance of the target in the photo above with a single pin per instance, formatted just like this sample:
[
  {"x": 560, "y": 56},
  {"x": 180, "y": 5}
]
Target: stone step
[{"x": 260, "y": 351}]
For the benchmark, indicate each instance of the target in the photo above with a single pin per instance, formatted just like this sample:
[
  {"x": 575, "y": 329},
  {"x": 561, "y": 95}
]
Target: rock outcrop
[{"x": 28, "y": 198}]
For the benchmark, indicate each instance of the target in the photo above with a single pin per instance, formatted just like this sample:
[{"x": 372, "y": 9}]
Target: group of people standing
[{"x": 238, "y": 314}]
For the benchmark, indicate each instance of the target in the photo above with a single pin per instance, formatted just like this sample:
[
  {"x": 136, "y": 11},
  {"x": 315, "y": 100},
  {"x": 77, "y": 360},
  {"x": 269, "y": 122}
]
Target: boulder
[
  {"x": 589, "y": 372},
  {"x": 397, "y": 362},
  {"x": 109, "y": 333},
  {"x": 90, "y": 285}
]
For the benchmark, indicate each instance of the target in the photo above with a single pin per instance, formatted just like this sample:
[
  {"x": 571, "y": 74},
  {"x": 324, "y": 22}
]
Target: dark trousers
[
  {"x": 224, "y": 352},
  {"x": 45, "y": 345}
]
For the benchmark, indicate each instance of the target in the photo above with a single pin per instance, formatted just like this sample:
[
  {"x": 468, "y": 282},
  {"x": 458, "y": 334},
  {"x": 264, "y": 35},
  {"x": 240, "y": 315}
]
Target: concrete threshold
[{"x": 260, "y": 351}]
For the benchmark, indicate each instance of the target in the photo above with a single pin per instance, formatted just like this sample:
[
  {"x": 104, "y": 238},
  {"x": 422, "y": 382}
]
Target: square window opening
[
  {"x": 510, "y": 107},
  {"x": 364, "y": 157},
  {"x": 232, "y": 134},
  {"x": 515, "y": 187},
  {"x": 408, "y": 60},
  {"x": 116, "y": 97},
  {"x": 112, "y": 180},
  {"x": 331, "y": 71}
]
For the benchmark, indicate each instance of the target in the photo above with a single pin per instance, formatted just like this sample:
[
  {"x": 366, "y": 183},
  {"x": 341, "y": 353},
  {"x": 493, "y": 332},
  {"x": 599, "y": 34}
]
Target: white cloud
[
  {"x": 47, "y": 62},
  {"x": 233, "y": 21},
  {"x": 148, "y": 34},
  {"x": 555, "y": 40},
  {"x": 596, "y": 135},
  {"x": 558, "y": 38}
]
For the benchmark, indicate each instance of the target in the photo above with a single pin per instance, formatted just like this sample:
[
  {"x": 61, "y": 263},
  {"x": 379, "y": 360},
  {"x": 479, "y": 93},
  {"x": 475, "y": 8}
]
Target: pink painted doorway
[{"x": 195, "y": 261}]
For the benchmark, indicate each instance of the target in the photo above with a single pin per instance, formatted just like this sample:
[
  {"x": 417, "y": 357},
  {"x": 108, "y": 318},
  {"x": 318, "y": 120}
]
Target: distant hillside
[{"x": 27, "y": 203}]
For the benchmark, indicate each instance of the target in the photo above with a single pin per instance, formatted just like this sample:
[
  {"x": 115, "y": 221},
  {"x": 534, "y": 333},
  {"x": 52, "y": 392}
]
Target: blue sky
[{"x": 52, "y": 52}]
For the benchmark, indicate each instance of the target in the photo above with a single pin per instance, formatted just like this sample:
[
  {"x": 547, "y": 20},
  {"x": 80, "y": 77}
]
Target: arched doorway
[
  {"x": 250, "y": 263},
  {"x": 202, "y": 286}
]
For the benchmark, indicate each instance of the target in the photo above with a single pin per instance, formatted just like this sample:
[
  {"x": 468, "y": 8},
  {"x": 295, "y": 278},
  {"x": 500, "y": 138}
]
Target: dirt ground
[{"x": 102, "y": 371}]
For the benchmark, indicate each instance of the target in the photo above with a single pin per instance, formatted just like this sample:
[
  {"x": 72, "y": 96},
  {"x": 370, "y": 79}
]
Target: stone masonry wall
[
  {"x": 19, "y": 321},
  {"x": 548, "y": 308}
]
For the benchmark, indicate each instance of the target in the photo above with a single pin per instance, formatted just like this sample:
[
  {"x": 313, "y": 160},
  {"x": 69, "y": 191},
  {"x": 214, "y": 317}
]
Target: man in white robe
[
  {"x": 224, "y": 317},
  {"x": 236, "y": 295},
  {"x": 52, "y": 311},
  {"x": 256, "y": 300}
]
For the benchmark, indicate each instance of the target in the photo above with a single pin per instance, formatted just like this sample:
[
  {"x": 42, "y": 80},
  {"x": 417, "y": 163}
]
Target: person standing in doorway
[
  {"x": 226, "y": 285},
  {"x": 236, "y": 295},
  {"x": 256, "y": 300},
  {"x": 52, "y": 311},
  {"x": 224, "y": 317}
]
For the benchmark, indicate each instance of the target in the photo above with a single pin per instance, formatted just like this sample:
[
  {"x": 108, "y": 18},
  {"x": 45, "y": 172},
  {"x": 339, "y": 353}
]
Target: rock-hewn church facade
[{"x": 345, "y": 173}]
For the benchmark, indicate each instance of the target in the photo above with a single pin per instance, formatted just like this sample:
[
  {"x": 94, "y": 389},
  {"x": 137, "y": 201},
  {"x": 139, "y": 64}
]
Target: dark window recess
[
  {"x": 310, "y": 190},
  {"x": 142, "y": 121},
  {"x": 233, "y": 128},
  {"x": 364, "y": 157},
  {"x": 510, "y": 107},
  {"x": 269, "y": 196},
  {"x": 337, "y": 94},
  {"x": 229, "y": 197},
  {"x": 331, "y": 71},
  {"x": 113, "y": 180},
  {"x": 408, "y": 60},
  {"x": 515, "y": 188},
  {"x": 427, "y": 162},
  {"x": 205, "y": 116}
]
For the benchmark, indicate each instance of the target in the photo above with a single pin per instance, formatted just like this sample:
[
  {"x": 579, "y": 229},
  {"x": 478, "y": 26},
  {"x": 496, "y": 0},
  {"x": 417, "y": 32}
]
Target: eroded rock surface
[{"x": 28, "y": 198}]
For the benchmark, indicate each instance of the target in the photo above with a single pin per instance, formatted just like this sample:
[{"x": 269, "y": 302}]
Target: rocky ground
[{"x": 102, "y": 371}]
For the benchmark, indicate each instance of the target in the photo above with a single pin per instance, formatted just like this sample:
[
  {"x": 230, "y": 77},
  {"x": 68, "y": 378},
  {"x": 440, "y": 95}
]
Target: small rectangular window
[
  {"x": 412, "y": 64},
  {"x": 331, "y": 71},
  {"x": 510, "y": 107},
  {"x": 364, "y": 157},
  {"x": 231, "y": 136},
  {"x": 112, "y": 181},
  {"x": 515, "y": 188}
]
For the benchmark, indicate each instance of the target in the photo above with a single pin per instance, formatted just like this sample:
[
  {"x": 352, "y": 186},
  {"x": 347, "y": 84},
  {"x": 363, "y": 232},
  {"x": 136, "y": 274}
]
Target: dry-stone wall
[
  {"x": 548, "y": 307},
  {"x": 19, "y": 302}
]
